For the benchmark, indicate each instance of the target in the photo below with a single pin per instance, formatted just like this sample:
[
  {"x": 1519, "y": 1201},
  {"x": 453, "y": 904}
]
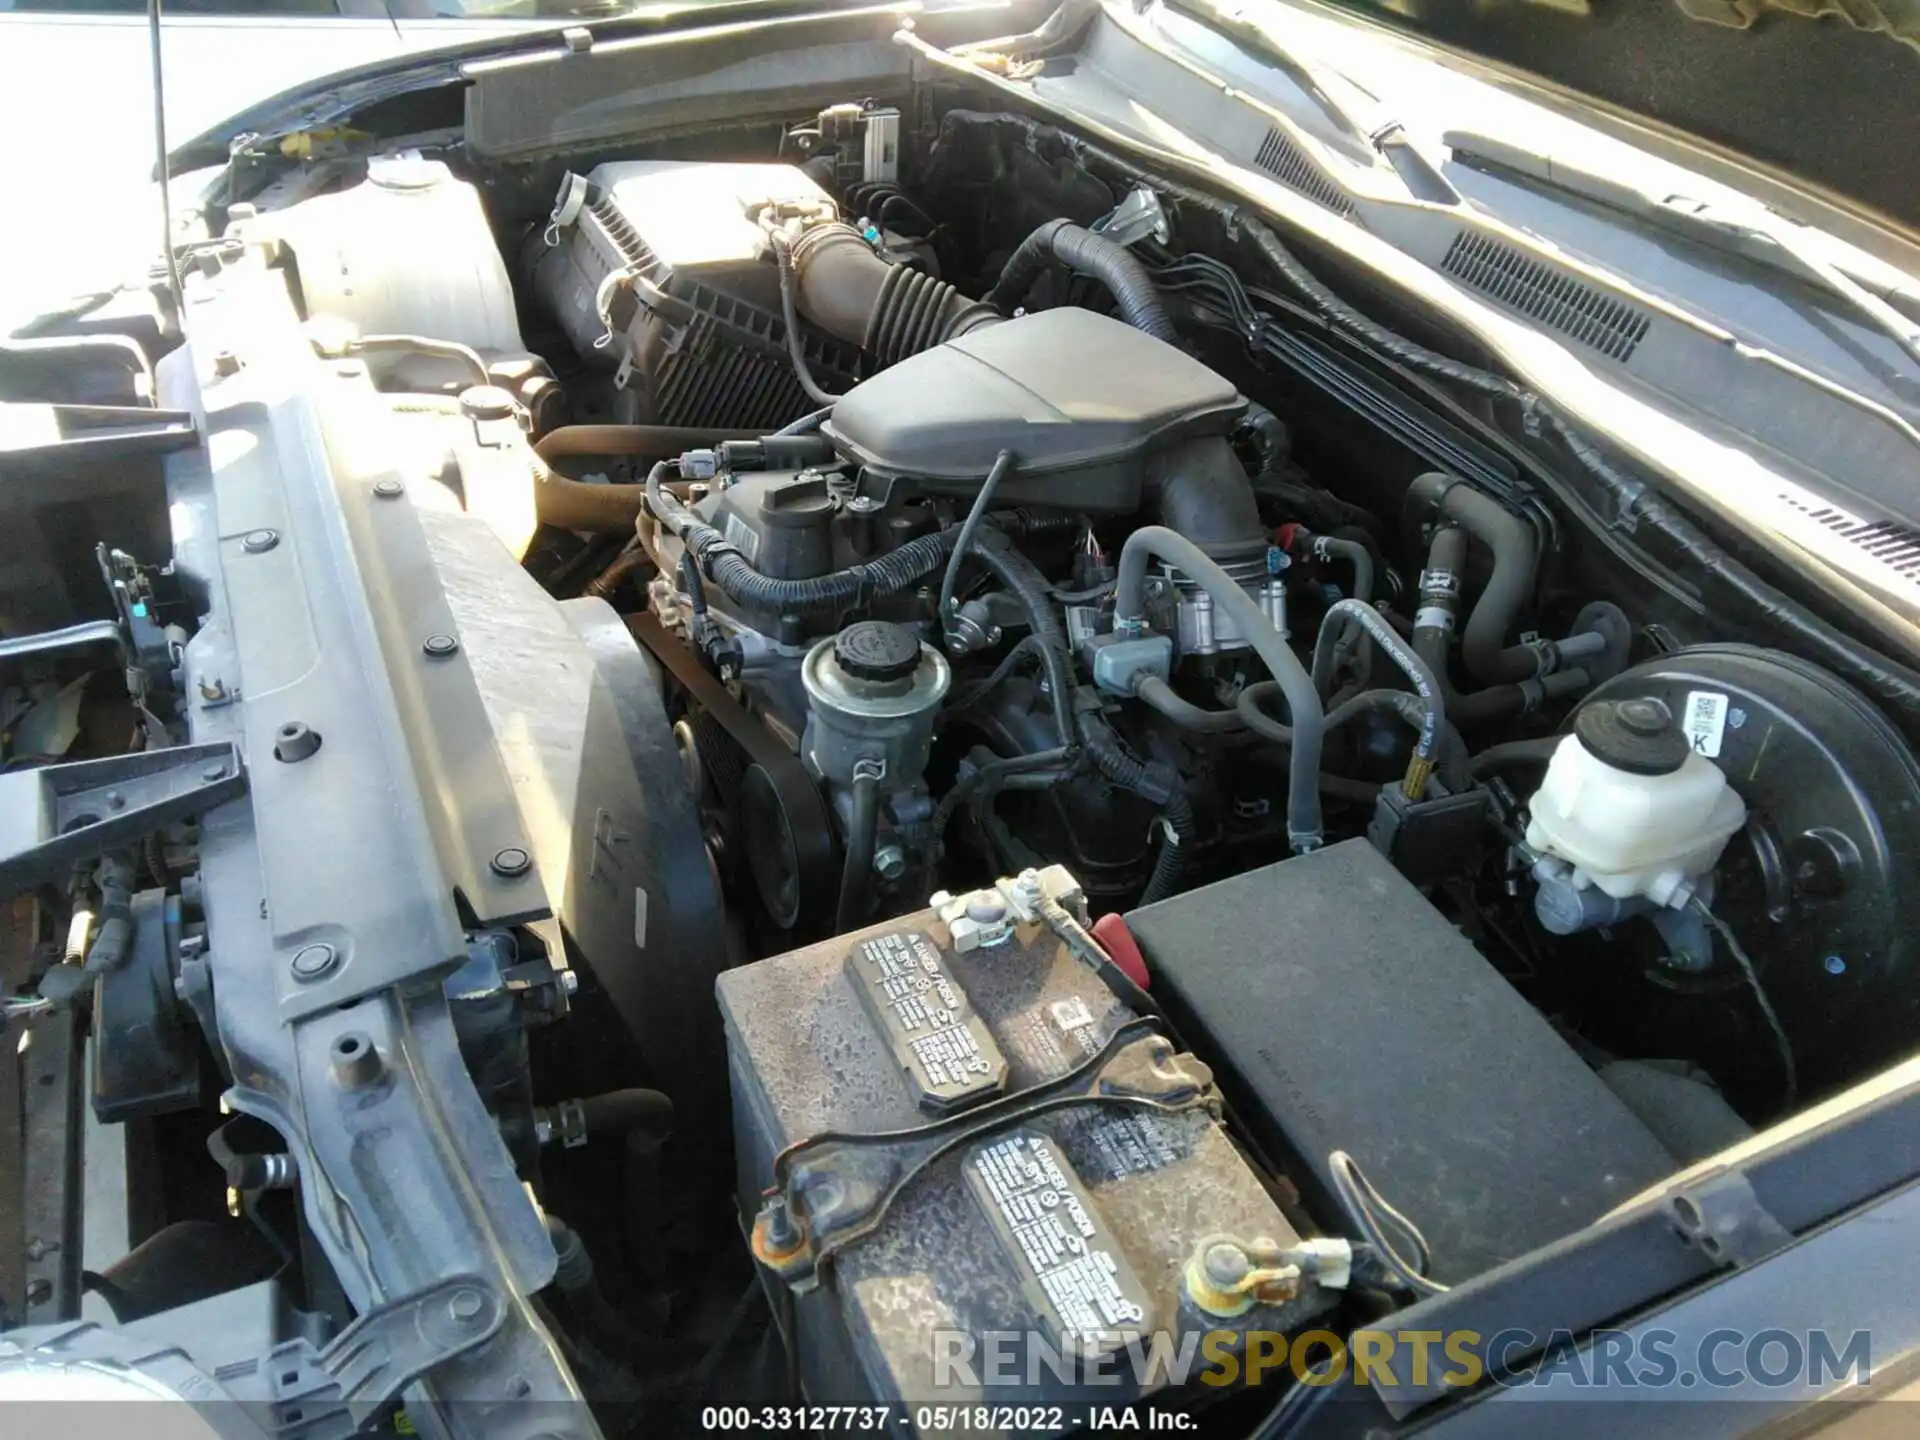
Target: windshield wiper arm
[{"x": 1781, "y": 246}]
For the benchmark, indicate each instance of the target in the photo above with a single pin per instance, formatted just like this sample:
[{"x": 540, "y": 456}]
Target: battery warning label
[
  {"x": 1072, "y": 1271},
  {"x": 946, "y": 1050}
]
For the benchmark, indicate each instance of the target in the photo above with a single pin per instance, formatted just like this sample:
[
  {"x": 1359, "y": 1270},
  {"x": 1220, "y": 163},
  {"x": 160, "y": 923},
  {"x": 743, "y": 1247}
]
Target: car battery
[{"x": 1003, "y": 1186}]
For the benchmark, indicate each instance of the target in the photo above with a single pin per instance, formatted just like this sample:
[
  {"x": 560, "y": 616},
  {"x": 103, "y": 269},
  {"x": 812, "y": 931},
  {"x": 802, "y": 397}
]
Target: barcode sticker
[{"x": 1705, "y": 721}]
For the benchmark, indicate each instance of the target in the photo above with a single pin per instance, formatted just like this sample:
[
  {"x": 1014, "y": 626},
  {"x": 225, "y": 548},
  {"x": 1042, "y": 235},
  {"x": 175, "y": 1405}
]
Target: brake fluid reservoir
[{"x": 1630, "y": 806}]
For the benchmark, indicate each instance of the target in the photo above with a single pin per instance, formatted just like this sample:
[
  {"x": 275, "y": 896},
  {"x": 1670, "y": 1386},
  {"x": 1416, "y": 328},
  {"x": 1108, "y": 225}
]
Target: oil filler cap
[
  {"x": 877, "y": 650},
  {"x": 1637, "y": 736}
]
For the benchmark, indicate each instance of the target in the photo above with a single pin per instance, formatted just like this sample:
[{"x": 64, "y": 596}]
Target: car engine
[{"x": 859, "y": 686}]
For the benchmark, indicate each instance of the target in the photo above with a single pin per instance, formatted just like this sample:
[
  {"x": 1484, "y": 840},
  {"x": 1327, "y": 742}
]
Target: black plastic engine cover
[{"x": 1083, "y": 401}]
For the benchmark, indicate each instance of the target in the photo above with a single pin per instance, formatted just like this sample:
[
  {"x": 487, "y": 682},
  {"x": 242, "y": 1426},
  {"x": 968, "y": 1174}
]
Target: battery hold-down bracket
[{"x": 833, "y": 1189}]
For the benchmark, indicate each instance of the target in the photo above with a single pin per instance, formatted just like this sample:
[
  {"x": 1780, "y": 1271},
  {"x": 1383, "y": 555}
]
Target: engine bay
[{"x": 927, "y": 703}]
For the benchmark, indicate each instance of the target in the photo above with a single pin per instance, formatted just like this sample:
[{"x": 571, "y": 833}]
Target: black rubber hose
[
  {"x": 1170, "y": 865},
  {"x": 1303, "y": 701},
  {"x": 796, "y": 346},
  {"x": 1432, "y": 636},
  {"x": 1253, "y": 709},
  {"x": 863, "y": 825},
  {"x": 1514, "y": 755},
  {"x": 627, "y": 1112},
  {"x": 1509, "y": 589},
  {"x": 1157, "y": 786},
  {"x": 807, "y": 423},
  {"x": 1085, "y": 253},
  {"x": 1022, "y": 578},
  {"x": 727, "y": 568},
  {"x": 1357, "y": 613},
  {"x": 1002, "y": 464},
  {"x": 1162, "y": 697}
]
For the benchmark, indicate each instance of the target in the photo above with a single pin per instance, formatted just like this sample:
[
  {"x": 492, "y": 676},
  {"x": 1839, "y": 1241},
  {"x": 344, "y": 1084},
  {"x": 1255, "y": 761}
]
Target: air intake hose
[{"x": 890, "y": 311}]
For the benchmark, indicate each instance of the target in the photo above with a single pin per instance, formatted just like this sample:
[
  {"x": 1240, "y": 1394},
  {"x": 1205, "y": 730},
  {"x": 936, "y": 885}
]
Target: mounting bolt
[
  {"x": 440, "y": 646},
  {"x": 890, "y": 862},
  {"x": 39, "y": 1291},
  {"x": 312, "y": 962},
  {"x": 294, "y": 742},
  {"x": 389, "y": 489},
  {"x": 258, "y": 542},
  {"x": 356, "y": 1063},
  {"x": 115, "y": 800},
  {"x": 1834, "y": 965},
  {"x": 466, "y": 1306},
  {"x": 511, "y": 862},
  {"x": 213, "y": 772},
  {"x": 780, "y": 1232},
  {"x": 570, "y": 982}
]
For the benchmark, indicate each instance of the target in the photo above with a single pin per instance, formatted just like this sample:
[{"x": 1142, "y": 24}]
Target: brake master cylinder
[{"x": 1628, "y": 818}]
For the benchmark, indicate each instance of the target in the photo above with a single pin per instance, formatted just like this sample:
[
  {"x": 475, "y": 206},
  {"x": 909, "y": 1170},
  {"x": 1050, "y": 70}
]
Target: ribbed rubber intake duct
[
  {"x": 893, "y": 311},
  {"x": 890, "y": 311}
]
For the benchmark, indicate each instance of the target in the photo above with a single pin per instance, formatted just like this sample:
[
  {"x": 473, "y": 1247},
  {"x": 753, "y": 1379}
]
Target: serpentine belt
[{"x": 808, "y": 823}]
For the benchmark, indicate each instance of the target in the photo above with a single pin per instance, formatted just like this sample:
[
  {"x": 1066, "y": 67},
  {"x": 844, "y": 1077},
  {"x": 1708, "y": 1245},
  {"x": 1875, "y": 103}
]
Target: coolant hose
[
  {"x": 613, "y": 509},
  {"x": 648, "y": 442},
  {"x": 1432, "y": 637},
  {"x": 1303, "y": 700},
  {"x": 1085, "y": 253},
  {"x": 863, "y": 824},
  {"x": 1509, "y": 588}
]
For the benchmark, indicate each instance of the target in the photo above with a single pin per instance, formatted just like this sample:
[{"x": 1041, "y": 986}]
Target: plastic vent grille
[
  {"x": 625, "y": 238},
  {"x": 1577, "y": 310},
  {"x": 1285, "y": 161},
  {"x": 1894, "y": 545}
]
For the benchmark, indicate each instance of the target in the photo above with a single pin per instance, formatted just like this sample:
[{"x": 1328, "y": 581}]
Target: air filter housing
[{"x": 699, "y": 319}]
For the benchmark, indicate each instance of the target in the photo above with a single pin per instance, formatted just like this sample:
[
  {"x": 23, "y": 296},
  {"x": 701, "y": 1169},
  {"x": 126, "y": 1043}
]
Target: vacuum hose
[{"x": 1303, "y": 700}]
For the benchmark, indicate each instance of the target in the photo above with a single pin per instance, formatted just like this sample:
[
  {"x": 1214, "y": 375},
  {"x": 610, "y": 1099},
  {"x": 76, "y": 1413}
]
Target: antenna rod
[{"x": 160, "y": 147}]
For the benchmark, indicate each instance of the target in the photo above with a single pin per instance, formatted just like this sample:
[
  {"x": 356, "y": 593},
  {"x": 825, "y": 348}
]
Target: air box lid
[{"x": 1064, "y": 389}]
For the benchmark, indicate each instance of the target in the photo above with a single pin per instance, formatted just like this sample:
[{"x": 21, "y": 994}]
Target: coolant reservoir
[{"x": 1631, "y": 807}]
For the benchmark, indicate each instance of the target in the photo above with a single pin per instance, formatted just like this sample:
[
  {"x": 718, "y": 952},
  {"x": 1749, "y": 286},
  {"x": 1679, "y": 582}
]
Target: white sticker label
[{"x": 1705, "y": 721}]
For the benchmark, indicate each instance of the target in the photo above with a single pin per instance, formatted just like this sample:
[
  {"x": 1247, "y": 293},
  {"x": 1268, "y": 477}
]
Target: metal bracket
[
  {"x": 56, "y": 817},
  {"x": 1721, "y": 1217},
  {"x": 835, "y": 1188},
  {"x": 370, "y": 1362},
  {"x": 1136, "y": 217}
]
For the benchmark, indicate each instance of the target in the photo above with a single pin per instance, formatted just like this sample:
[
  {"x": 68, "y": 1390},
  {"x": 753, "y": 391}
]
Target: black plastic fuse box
[
  {"x": 1345, "y": 1013},
  {"x": 1043, "y": 1226}
]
